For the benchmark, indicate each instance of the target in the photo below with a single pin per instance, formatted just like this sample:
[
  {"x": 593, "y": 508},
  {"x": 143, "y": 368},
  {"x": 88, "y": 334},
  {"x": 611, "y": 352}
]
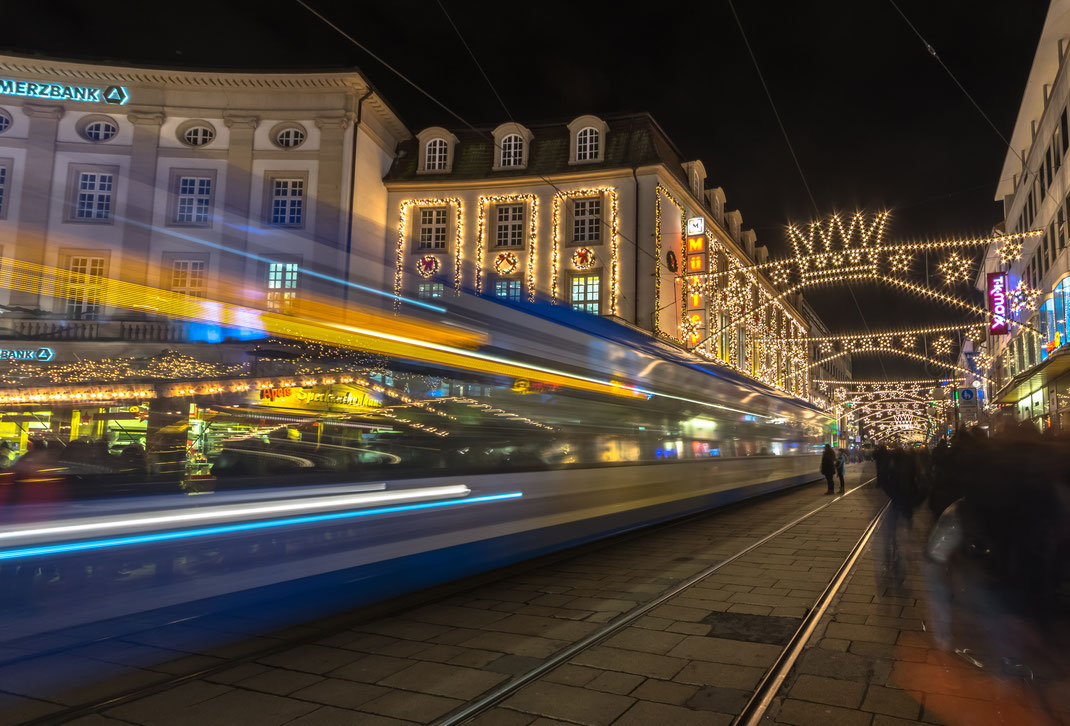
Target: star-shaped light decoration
[{"x": 955, "y": 268}]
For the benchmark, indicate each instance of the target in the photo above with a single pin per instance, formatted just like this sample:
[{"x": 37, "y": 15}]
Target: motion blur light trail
[
  {"x": 177, "y": 517},
  {"x": 12, "y": 554}
]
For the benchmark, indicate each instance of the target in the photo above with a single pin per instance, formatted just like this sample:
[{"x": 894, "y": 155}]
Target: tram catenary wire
[{"x": 487, "y": 701}]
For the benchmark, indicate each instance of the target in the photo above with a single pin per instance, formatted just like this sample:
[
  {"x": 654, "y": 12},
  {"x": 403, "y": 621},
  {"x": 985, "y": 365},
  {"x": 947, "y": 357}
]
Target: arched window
[
  {"x": 512, "y": 150},
  {"x": 435, "y": 155},
  {"x": 587, "y": 144}
]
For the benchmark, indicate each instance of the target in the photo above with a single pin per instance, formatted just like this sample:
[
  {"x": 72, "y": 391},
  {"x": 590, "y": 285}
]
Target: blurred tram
[{"x": 317, "y": 477}]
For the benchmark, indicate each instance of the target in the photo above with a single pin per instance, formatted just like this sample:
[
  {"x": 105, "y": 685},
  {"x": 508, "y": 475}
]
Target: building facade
[
  {"x": 193, "y": 182},
  {"x": 1027, "y": 358},
  {"x": 593, "y": 214}
]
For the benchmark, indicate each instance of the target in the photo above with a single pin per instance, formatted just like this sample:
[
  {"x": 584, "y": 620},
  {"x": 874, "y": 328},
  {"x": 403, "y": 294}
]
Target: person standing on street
[
  {"x": 841, "y": 467},
  {"x": 828, "y": 467}
]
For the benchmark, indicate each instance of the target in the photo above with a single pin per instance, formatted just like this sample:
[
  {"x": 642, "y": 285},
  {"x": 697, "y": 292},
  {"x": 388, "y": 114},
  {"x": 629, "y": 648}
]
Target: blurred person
[
  {"x": 841, "y": 466},
  {"x": 828, "y": 467}
]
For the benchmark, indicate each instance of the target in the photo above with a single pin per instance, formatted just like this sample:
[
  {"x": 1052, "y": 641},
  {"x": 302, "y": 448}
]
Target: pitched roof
[{"x": 632, "y": 140}]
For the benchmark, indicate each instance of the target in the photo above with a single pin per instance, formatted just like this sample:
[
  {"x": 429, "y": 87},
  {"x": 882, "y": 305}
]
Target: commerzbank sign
[{"x": 115, "y": 95}]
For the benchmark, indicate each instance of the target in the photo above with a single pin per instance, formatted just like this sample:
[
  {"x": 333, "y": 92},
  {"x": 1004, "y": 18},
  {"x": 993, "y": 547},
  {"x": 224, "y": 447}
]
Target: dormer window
[
  {"x": 512, "y": 150},
  {"x": 436, "y": 155},
  {"x": 587, "y": 140},
  {"x": 587, "y": 144},
  {"x": 436, "y": 147},
  {"x": 512, "y": 144}
]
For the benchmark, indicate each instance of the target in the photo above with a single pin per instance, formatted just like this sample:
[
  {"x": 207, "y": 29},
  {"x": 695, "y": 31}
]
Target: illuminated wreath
[
  {"x": 671, "y": 261},
  {"x": 506, "y": 263},
  {"x": 427, "y": 265},
  {"x": 584, "y": 258}
]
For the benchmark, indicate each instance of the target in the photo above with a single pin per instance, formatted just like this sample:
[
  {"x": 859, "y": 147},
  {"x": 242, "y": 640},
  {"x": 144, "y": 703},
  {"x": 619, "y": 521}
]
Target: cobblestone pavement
[{"x": 694, "y": 659}]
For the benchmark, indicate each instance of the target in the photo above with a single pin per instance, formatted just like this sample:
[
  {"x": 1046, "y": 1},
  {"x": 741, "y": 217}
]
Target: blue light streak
[{"x": 97, "y": 544}]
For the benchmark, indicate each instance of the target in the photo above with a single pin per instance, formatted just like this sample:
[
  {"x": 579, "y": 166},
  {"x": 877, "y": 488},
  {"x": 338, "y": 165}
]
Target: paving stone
[
  {"x": 719, "y": 674},
  {"x": 891, "y": 652},
  {"x": 579, "y": 705},
  {"x": 589, "y": 603},
  {"x": 403, "y": 648},
  {"x": 630, "y": 661},
  {"x": 474, "y": 658},
  {"x": 891, "y": 701},
  {"x": 689, "y": 628},
  {"x": 279, "y": 681},
  {"x": 173, "y": 699},
  {"x": 883, "y": 720},
  {"x": 339, "y": 692},
  {"x": 677, "y": 612},
  {"x": 440, "y": 679},
  {"x": 501, "y": 717},
  {"x": 649, "y": 641},
  {"x": 459, "y": 617},
  {"x": 720, "y": 650},
  {"x": 890, "y": 622},
  {"x": 230, "y": 708},
  {"x": 649, "y": 622},
  {"x": 750, "y": 609},
  {"x": 752, "y": 628},
  {"x": 419, "y": 707},
  {"x": 543, "y": 627},
  {"x": 371, "y": 668},
  {"x": 95, "y": 720},
  {"x": 804, "y": 713},
  {"x": 330, "y": 716},
  {"x": 833, "y": 664},
  {"x": 517, "y": 644},
  {"x": 721, "y": 700},
  {"x": 405, "y": 629},
  {"x": 237, "y": 673},
  {"x": 834, "y": 644},
  {"x": 572, "y": 675},
  {"x": 311, "y": 658},
  {"x": 645, "y": 713},
  {"x": 615, "y": 682},
  {"x": 868, "y": 633},
  {"x": 664, "y": 692},
  {"x": 16, "y": 709},
  {"x": 833, "y": 691}
]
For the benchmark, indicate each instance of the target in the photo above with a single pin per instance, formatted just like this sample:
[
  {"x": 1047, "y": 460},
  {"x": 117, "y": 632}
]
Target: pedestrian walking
[
  {"x": 841, "y": 467},
  {"x": 828, "y": 467}
]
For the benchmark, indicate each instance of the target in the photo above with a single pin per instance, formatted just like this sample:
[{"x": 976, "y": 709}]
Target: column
[
  {"x": 140, "y": 196},
  {"x": 32, "y": 230},
  {"x": 329, "y": 245},
  {"x": 238, "y": 196}
]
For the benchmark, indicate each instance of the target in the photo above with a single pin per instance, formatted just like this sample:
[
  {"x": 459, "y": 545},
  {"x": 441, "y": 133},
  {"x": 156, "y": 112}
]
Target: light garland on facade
[
  {"x": 614, "y": 240},
  {"x": 532, "y": 201},
  {"x": 505, "y": 263},
  {"x": 458, "y": 245},
  {"x": 659, "y": 190}
]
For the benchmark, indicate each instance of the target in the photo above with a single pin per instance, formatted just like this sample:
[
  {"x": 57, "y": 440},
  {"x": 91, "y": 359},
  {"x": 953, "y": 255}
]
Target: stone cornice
[
  {"x": 145, "y": 117},
  {"x": 334, "y": 122},
  {"x": 240, "y": 120}
]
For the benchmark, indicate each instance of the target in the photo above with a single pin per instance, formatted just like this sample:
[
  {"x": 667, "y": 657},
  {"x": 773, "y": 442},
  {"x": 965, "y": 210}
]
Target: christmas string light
[
  {"x": 954, "y": 268},
  {"x": 560, "y": 198},
  {"x": 483, "y": 202},
  {"x": 904, "y": 353},
  {"x": 427, "y": 266},
  {"x": 403, "y": 215}
]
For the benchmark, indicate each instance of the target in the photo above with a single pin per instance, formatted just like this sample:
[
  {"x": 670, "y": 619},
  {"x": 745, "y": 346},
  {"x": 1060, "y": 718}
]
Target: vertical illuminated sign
[
  {"x": 997, "y": 303},
  {"x": 694, "y": 265}
]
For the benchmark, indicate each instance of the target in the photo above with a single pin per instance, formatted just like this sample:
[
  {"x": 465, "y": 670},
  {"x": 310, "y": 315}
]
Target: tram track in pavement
[{"x": 487, "y": 701}]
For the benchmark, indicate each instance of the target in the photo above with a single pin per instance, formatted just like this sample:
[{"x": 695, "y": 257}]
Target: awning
[{"x": 1039, "y": 376}]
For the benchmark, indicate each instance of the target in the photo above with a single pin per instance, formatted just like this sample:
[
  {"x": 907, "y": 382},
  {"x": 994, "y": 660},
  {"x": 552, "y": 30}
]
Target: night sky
[{"x": 874, "y": 119}]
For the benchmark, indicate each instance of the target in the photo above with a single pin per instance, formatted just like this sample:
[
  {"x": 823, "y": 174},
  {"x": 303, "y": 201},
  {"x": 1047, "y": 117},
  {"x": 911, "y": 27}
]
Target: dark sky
[{"x": 875, "y": 121}]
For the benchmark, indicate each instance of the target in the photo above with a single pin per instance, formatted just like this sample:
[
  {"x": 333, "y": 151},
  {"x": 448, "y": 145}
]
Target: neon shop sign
[
  {"x": 115, "y": 95},
  {"x": 997, "y": 303}
]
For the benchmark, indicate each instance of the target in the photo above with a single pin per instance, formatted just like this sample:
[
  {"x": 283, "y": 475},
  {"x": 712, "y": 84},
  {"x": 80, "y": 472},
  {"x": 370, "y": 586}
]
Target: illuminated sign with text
[
  {"x": 27, "y": 354},
  {"x": 115, "y": 95},
  {"x": 997, "y": 303}
]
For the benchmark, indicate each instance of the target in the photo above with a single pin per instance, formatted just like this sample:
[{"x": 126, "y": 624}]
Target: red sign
[{"x": 997, "y": 303}]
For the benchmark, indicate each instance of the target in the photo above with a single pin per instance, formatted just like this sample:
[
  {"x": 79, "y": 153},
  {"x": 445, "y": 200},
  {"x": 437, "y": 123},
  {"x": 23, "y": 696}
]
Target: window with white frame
[
  {"x": 189, "y": 277},
  {"x": 507, "y": 290},
  {"x": 512, "y": 150},
  {"x": 587, "y": 144},
  {"x": 94, "y": 195},
  {"x": 585, "y": 293},
  {"x": 85, "y": 286},
  {"x": 289, "y": 136},
  {"x": 282, "y": 278},
  {"x": 193, "y": 202},
  {"x": 436, "y": 154},
  {"x": 587, "y": 219},
  {"x": 5, "y": 173},
  {"x": 433, "y": 228},
  {"x": 99, "y": 129},
  {"x": 287, "y": 202},
  {"x": 198, "y": 135},
  {"x": 429, "y": 290},
  {"x": 5, "y": 121},
  {"x": 509, "y": 231}
]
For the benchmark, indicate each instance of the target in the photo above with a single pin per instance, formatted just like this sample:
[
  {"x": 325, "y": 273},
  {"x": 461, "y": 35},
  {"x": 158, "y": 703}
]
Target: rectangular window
[
  {"x": 429, "y": 290},
  {"x": 287, "y": 202},
  {"x": 1051, "y": 240},
  {"x": 510, "y": 227},
  {"x": 1047, "y": 167},
  {"x": 282, "y": 279},
  {"x": 585, "y": 293},
  {"x": 1042, "y": 181},
  {"x": 433, "y": 228},
  {"x": 193, "y": 200},
  {"x": 188, "y": 277},
  {"x": 1045, "y": 255},
  {"x": 507, "y": 289},
  {"x": 1056, "y": 149},
  {"x": 5, "y": 178},
  {"x": 1060, "y": 225},
  {"x": 587, "y": 219},
  {"x": 94, "y": 196},
  {"x": 1063, "y": 132},
  {"x": 85, "y": 286}
]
